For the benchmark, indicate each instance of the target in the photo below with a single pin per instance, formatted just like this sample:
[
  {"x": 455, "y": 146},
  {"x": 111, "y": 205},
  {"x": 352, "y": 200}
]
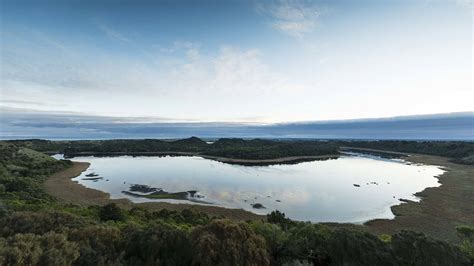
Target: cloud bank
[{"x": 24, "y": 124}]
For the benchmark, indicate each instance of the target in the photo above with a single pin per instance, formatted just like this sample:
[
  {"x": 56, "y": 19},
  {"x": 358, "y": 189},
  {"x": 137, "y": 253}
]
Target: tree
[
  {"x": 277, "y": 217},
  {"x": 223, "y": 242},
  {"x": 308, "y": 242},
  {"x": 29, "y": 249},
  {"x": 98, "y": 245},
  {"x": 111, "y": 212},
  {"x": 359, "y": 248},
  {"x": 413, "y": 248},
  {"x": 276, "y": 241},
  {"x": 466, "y": 233},
  {"x": 159, "y": 244}
]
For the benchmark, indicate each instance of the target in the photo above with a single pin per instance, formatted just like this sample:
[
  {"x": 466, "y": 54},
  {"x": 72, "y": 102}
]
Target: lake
[{"x": 353, "y": 188}]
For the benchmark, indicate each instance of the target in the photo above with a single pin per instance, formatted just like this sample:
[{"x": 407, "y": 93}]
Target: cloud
[
  {"x": 172, "y": 83},
  {"x": 468, "y": 4},
  {"x": 111, "y": 33},
  {"x": 244, "y": 71},
  {"x": 293, "y": 17},
  {"x": 178, "y": 45},
  {"x": 29, "y": 123}
]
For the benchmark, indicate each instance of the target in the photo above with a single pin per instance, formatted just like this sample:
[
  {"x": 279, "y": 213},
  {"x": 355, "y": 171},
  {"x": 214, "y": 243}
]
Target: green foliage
[
  {"x": 277, "y": 217},
  {"x": 467, "y": 246},
  {"x": 111, "y": 212},
  {"x": 21, "y": 172},
  {"x": 158, "y": 244},
  {"x": 98, "y": 245},
  {"x": 29, "y": 249},
  {"x": 223, "y": 242},
  {"x": 459, "y": 151},
  {"x": 416, "y": 249},
  {"x": 385, "y": 238},
  {"x": 308, "y": 242},
  {"x": 40, "y": 222},
  {"x": 258, "y": 149},
  {"x": 230, "y": 148},
  {"x": 466, "y": 233},
  {"x": 351, "y": 246},
  {"x": 276, "y": 239}
]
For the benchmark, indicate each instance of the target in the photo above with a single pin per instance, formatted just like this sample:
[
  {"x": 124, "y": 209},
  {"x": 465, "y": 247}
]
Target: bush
[
  {"x": 39, "y": 222},
  {"x": 466, "y": 233},
  {"x": 276, "y": 240},
  {"x": 30, "y": 249},
  {"x": 354, "y": 247},
  {"x": 307, "y": 242},
  {"x": 111, "y": 212},
  {"x": 159, "y": 244},
  {"x": 416, "y": 249},
  {"x": 98, "y": 245},
  {"x": 277, "y": 217},
  {"x": 223, "y": 242}
]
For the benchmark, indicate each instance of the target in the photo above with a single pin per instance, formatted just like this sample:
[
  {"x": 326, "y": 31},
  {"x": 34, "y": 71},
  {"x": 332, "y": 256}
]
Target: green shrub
[
  {"x": 111, "y": 212},
  {"x": 158, "y": 244},
  {"x": 29, "y": 249},
  {"x": 223, "y": 242},
  {"x": 413, "y": 248}
]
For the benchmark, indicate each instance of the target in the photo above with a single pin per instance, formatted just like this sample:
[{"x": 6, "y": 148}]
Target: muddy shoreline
[{"x": 61, "y": 186}]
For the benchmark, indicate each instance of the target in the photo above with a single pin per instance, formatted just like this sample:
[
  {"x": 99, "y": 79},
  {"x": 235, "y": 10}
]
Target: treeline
[
  {"x": 257, "y": 149},
  {"x": 460, "y": 151},
  {"x": 35, "y": 229},
  {"x": 229, "y": 148}
]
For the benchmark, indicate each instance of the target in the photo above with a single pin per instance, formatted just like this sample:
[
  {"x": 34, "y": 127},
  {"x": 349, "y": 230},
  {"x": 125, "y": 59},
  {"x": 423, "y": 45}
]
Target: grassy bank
[{"x": 441, "y": 209}]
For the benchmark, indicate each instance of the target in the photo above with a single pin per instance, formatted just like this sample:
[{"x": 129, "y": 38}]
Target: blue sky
[{"x": 245, "y": 61}]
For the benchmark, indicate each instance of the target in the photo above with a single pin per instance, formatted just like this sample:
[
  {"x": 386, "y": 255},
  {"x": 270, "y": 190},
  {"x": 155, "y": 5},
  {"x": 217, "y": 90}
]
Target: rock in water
[{"x": 258, "y": 206}]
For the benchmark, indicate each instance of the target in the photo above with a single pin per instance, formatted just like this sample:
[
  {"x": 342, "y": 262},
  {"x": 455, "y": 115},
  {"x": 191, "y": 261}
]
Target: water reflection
[{"x": 316, "y": 191}]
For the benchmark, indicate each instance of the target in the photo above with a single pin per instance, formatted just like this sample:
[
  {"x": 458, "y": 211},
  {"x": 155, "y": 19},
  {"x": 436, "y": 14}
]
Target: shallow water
[{"x": 319, "y": 191}]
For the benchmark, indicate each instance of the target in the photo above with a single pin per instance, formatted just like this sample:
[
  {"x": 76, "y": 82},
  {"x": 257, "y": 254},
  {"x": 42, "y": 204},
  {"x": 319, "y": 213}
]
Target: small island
[{"x": 144, "y": 191}]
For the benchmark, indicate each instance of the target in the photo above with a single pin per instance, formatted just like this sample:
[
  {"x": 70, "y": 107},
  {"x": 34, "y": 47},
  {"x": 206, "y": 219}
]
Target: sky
[{"x": 236, "y": 61}]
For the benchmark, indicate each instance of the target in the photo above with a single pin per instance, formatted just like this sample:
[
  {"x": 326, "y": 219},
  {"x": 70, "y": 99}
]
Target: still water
[{"x": 352, "y": 188}]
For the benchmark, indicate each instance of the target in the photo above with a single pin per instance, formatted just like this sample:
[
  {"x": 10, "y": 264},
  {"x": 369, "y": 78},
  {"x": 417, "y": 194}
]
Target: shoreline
[
  {"x": 266, "y": 162},
  {"x": 437, "y": 214},
  {"x": 61, "y": 186},
  {"x": 245, "y": 162},
  {"x": 440, "y": 209}
]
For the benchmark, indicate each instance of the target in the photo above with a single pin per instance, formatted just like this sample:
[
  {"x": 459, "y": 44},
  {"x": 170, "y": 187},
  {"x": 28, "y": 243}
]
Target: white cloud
[
  {"x": 244, "y": 71},
  {"x": 177, "y": 46},
  {"x": 293, "y": 17},
  {"x": 114, "y": 85},
  {"x": 111, "y": 33},
  {"x": 193, "y": 54}
]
